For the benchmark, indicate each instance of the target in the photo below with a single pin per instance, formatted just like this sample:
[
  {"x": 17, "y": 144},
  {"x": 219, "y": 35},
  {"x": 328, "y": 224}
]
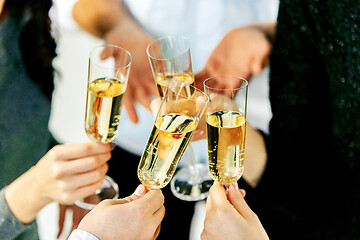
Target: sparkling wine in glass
[
  {"x": 226, "y": 125},
  {"x": 170, "y": 60},
  {"x": 179, "y": 113},
  {"x": 108, "y": 73}
]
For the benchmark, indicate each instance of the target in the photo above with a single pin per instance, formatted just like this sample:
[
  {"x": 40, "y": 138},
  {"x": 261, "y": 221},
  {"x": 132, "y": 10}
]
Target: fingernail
[
  {"x": 234, "y": 186},
  {"x": 112, "y": 146},
  {"x": 140, "y": 190}
]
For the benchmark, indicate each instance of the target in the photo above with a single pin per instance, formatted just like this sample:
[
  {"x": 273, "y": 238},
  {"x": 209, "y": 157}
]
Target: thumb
[
  {"x": 236, "y": 198},
  {"x": 138, "y": 193}
]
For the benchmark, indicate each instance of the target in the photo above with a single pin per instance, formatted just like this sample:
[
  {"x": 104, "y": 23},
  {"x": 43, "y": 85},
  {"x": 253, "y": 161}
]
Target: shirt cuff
[{"x": 78, "y": 234}]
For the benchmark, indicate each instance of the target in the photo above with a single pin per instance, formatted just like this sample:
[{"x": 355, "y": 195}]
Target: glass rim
[
  {"x": 205, "y": 102},
  {"x": 187, "y": 49},
  {"x": 113, "y": 46},
  {"x": 186, "y": 97},
  {"x": 227, "y": 77}
]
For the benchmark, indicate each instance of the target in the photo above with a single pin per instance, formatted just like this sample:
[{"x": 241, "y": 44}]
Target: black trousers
[{"x": 176, "y": 223}]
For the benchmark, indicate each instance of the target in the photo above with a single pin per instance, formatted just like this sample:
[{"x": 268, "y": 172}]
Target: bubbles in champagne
[
  {"x": 104, "y": 102},
  {"x": 166, "y": 144},
  {"x": 226, "y": 145},
  {"x": 163, "y": 80}
]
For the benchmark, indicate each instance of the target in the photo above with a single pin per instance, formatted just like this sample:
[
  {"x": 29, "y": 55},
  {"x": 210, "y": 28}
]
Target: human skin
[
  {"x": 138, "y": 216},
  {"x": 228, "y": 216},
  {"x": 242, "y": 52},
  {"x": 107, "y": 19},
  {"x": 65, "y": 174}
]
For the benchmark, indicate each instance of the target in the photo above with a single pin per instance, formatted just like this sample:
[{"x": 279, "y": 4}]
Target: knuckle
[
  {"x": 62, "y": 186},
  {"x": 106, "y": 168},
  {"x": 93, "y": 162},
  {"x": 84, "y": 148},
  {"x": 66, "y": 198},
  {"x": 57, "y": 171},
  {"x": 92, "y": 177},
  {"x": 55, "y": 152},
  {"x": 97, "y": 184},
  {"x": 96, "y": 175},
  {"x": 108, "y": 156}
]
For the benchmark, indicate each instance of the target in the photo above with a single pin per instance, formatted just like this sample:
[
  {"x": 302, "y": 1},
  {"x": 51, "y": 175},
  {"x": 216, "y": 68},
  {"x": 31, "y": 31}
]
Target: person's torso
[
  {"x": 24, "y": 109},
  {"x": 315, "y": 131}
]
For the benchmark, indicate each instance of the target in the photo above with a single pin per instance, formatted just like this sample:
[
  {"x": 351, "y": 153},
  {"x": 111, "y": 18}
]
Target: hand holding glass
[
  {"x": 180, "y": 111},
  {"x": 170, "y": 60},
  {"x": 108, "y": 73},
  {"x": 226, "y": 124}
]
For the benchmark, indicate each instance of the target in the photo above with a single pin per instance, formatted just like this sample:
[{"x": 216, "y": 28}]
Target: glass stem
[{"x": 194, "y": 173}]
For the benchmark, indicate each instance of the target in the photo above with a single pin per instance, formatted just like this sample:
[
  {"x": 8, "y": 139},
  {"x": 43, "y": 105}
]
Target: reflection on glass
[
  {"x": 226, "y": 124},
  {"x": 109, "y": 68},
  {"x": 174, "y": 125}
]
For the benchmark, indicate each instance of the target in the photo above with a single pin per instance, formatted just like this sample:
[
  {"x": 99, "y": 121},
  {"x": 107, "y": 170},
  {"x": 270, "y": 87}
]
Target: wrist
[{"x": 24, "y": 198}]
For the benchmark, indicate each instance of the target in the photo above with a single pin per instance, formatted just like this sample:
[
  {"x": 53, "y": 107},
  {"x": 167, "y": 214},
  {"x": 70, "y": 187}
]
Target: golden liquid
[
  {"x": 163, "y": 80},
  {"x": 226, "y": 145},
  {"x": 103, "y": 106},
  {"x": 166, "y": 144}
]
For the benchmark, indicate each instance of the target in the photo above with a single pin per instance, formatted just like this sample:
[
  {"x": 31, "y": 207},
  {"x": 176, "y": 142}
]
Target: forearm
[
  {"x": 24, "y": 197},
  {"x": 255, "y": 156},
  {"x": 10, "y": 227},
  {"x": 99, "y": 16}
]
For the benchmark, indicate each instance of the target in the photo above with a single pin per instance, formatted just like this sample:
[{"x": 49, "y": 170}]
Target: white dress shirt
[{"x": 78, "y": 234}]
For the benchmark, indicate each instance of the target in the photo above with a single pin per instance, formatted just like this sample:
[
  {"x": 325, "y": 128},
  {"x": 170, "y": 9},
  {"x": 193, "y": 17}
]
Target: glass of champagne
[
  {"x": 170, "y": 60},
  {"x": 109, "y": 68},
  {"x": 178, "y": 116},
  {"x": 226, "y": 125}
]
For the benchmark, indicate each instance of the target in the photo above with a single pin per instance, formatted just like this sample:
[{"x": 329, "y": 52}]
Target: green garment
[{"x": 24, "y": 112}]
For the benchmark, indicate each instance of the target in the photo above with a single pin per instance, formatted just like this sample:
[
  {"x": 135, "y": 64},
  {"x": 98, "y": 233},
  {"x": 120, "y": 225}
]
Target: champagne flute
[
  {"x": 226, "y": 125},
  {"x": 179, "y": 114},
  {"x": 108, "y": 73},
  {"x": 170, "y": 60}
]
